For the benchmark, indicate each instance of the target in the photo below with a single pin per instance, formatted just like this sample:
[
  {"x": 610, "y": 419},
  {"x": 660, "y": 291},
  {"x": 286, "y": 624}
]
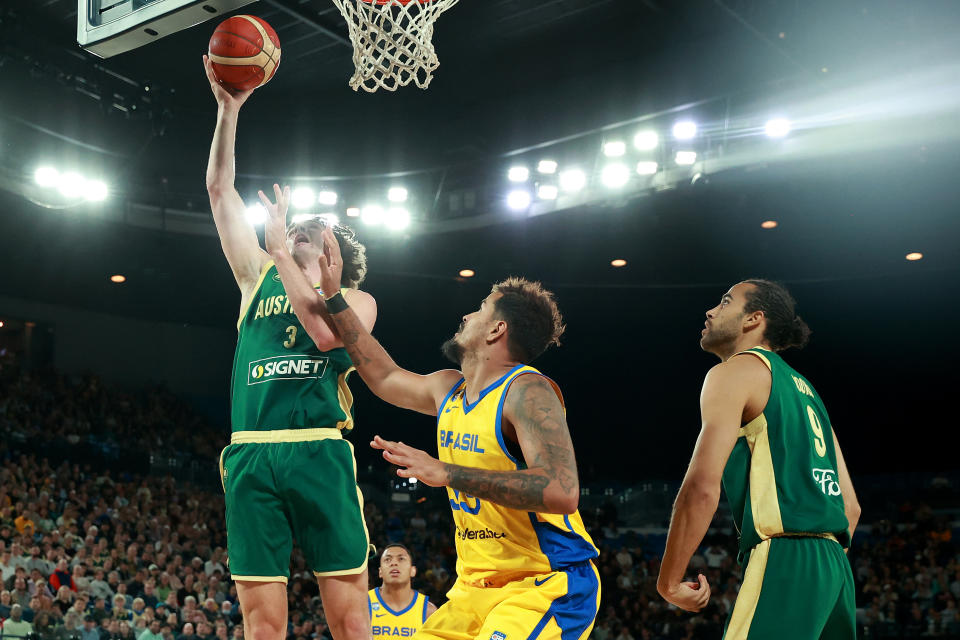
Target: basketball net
[{"x": 392, "y": 41}]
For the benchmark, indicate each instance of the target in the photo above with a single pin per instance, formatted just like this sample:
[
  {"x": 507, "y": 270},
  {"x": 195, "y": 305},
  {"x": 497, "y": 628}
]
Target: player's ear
[
  {"x": 413, "y": 571},
  {"x": 497, "y": 331}
]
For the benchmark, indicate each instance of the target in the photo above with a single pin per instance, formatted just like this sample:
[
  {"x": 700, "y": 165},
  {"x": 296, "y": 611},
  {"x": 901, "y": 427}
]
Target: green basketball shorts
[
  {"x": 795, "y": 588},
  {"x": 292, "y": 484}
]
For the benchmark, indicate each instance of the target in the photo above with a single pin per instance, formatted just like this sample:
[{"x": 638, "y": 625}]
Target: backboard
[{"x": 108, "y": 27}]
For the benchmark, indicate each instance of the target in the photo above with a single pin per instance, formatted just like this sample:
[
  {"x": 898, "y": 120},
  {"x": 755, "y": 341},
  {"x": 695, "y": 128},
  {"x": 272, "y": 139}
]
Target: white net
[{"x": 392, "y": 41}]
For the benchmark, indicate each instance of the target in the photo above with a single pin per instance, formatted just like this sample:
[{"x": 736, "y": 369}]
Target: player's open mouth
[{"x": 394, "y": 573}]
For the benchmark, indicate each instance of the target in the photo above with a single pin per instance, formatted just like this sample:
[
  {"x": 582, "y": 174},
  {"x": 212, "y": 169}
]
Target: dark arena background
[{"x": 697, "y": 143}]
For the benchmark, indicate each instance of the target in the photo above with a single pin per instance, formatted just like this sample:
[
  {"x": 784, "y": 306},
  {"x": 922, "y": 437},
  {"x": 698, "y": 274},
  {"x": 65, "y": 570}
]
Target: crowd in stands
[{"x": 93, "y": 554}]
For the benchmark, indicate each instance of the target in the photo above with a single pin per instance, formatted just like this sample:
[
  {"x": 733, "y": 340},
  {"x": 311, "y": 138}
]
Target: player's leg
[
  {"x": 842, "y": 623},
  {"x": 346, "y": 605},
  {"x": 264, "y": 606},
  {"x": 562, "y": 604}
]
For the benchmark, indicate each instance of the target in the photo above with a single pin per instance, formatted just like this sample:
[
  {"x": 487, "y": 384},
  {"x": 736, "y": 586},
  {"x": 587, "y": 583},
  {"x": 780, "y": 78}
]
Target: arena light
[
  {"x": 685, "y": 158},
  {"x": 646, "y": 140},
  {"x": 467, "y": 273},
  {"x": 777, "y": 128},
  {"x": 619, "y": 262},
  {"x": 329, "y": 219},
  {"x": 397, "y": 218},
  {"x": 647, "y": 168},
  {"x": 573, "y": 180},
  {"x": 519, "y": 199},
  {"x": 327, "y": 198},
  {"x": 547, "y": 167},
  {"x": 372, "y": 215},
  {"x": 303, "y": 197},
  {"x": 95, "y": 190},
  {"x": 397, "y": 194},
  {"x": 769, "y": 224},
  {"x": 518, "y": 174},
  {"x": 914, "y": 256},
  {"x": 685, "y": 130},
  {"x": 614, "y": 148},
  {"x": 353, "y": 212},
  {"x": 615, "y": 175},
  {"x": 547, "y": 192},
  {"x": 71, "y": 185},
  {"x": 256, "y": 214},
  {"x": 46, "y": 176},
  {"x": 118, "y": 278}
]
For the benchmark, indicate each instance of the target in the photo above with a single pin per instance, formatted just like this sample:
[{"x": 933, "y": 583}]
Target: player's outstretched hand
[
  {"x": 331, "y": 263},
  {"x": 689, "y": 596},
  {"x": 226, "y": 97},
  {"x": 275, "y": 229},
  {"x": 413, "y": 463}
]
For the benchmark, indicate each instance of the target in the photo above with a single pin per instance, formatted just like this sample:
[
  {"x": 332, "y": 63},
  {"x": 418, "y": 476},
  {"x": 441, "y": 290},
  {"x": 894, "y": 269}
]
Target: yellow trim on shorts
[
  {"x": 749, "y": 596},
  {"x": 256, "y": 288},
  {"x": 282, "y": 579},
  {"x": 366, "y": 559},
  {"x": 284, "y": 435}
]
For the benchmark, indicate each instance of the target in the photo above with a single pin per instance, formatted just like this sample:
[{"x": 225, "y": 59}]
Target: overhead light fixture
[
  {"x": 646, "y": 140},
  {"x": 328, "y": 198},
  {"x": 519, "y": 199},
  {"x": 117, "y": 278},
  {"x": 397, "y": 194},
  {"x": 547, "y": 192},
  {"x": 619, "y": 262},
  {"x": 353, "y": 212},
  {"x": 914, "y": 256},
  {"x": 615, "y": 175},
  {"x": 95, "y": 191},
  {"x": 777, "y": 128},
  {"x": 518, "y": 174},
  {"x": 71, "y": 185},
  {"x": 572, "y": 180},
  {"x": 769, "y": 224},
  {"x": 303, "y": 197},
  {"x": 547, "y": 167},
  {"x": 647, "y": 168},
  {"x": 256, "y": 214},
  {"x": 467, "y": 273},
  {"x": 46, "y": 176},
  {"x": 372, "y": 214},
  {"x": 685, "y": 157},
  {"x": 685, "y": 130},
  {"x": 614, "y": 148},
  {"x": 397, "y": 218}
]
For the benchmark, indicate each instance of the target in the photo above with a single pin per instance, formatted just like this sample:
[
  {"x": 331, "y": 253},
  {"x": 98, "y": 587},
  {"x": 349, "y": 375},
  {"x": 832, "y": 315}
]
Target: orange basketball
[{"x": 245, "y": 52}]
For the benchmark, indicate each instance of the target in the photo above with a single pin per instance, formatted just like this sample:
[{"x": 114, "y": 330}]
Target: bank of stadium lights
[
  {"x": 519, "y": 199},
  {"x": 548, "y": 192},
  {"x": 397, "y": 218},
  {"x": 71, "y": 184},
  {"x": 614, "y": 148},
  {"x": 327, "y": 198},
  {"x": 572, "y": 180},
  {"x": 914, "y": 256},
  {"x": 646, "y": 140},
  {"x": 397, "y": 194},
  {"x": 685, "y": 158},
  {"x": 256, "y": 214},
  {"x": 777, "y": 128},
  {"x": 647, "y": 168},
  {"x": 685, "y": 130},
  {"x": 303, "y": 197},
  {"x": 372, "y": 215},
  {"x": 547, "y": 167},
  {"x": 353, "y": 212},
  {"x": 615, "y": 175},
  {"x": 518, "y": 174}
]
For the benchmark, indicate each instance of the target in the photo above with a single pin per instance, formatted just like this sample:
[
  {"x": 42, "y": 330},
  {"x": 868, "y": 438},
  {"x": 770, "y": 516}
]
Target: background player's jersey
[
  {"x": 781, "y": 476},
  {"x": 387, "y": 622},
  {"x": 492, "y": 540},
  {"x": 280, "y": 379}
]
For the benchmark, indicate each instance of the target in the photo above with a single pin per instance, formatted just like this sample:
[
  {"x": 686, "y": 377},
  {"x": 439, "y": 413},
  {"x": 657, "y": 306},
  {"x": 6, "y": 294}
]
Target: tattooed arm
[{"x": 532, "y": 416}]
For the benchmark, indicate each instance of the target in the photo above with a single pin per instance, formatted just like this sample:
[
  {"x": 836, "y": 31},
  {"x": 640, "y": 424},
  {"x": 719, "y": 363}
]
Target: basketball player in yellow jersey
[
  {"x": 396, "y": 610},
  {"x": 524, "y": 559}
]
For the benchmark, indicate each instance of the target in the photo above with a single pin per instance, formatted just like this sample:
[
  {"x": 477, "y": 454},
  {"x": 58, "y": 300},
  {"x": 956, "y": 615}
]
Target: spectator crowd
[{"x": 93, "y": 554}]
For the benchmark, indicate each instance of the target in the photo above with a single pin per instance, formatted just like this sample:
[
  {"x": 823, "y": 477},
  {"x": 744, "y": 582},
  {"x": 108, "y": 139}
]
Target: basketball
[{"x": 245, "y": 52}]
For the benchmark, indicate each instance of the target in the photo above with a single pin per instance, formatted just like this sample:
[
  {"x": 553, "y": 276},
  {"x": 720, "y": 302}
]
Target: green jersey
[
  {"x": 280, "y": 379},
  {"x": 781, "y": 477}
]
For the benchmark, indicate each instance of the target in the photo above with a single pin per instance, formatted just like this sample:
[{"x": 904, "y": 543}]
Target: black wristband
[{"x": 336, "y": 303}]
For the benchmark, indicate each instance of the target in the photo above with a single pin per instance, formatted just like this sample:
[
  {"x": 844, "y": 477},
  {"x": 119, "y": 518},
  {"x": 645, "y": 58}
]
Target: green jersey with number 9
[
  {"x": 280, "y": 379},
  {"x": 781, "y": 478}
]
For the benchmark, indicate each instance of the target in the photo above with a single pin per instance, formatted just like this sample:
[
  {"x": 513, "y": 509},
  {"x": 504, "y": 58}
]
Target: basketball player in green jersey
[
  {"x": 767, "y": 437},
  {"x": 287, "y": 473}
]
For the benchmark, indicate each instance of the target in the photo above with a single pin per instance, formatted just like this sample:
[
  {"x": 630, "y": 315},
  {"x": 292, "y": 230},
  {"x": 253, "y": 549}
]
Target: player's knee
[
  {"x": 352, "y": 625},
  {"x": 265, "y": 630}
]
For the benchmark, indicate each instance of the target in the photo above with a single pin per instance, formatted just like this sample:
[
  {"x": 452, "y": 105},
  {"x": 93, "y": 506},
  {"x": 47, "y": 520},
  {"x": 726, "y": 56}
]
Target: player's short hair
[
  {"x": 352, "y": 251},
  {"x": 396, "y": 545},
  {"x": 533, "y": 319},
  {"x": 785, "y": 328}
]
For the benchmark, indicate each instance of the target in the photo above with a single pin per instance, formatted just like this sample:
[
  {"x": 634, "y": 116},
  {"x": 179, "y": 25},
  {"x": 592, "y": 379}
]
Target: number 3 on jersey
[
  {"x": 291, "y": 337},
  {"x": 818, "y": 442},
  {"x": 461, "y": 502}
]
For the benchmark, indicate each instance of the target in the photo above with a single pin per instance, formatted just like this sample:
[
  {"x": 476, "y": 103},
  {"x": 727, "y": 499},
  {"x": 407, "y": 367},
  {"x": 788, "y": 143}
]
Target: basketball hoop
[{"x": 392, "y": 41}]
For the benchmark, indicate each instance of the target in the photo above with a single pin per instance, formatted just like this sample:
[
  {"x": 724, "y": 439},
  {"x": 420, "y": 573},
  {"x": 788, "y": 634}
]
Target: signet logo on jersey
[
  {"x": 286, "y": 368},
  {"x": 827, "y": 479}
]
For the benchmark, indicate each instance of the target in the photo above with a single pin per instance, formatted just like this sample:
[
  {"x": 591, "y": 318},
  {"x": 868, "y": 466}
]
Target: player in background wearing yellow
[
  {"x": 767, "y": 437},
  {"x": 287, "y": 471},
  {"x": 524, "y": 558},
  {"x": 396, "y": 610}
]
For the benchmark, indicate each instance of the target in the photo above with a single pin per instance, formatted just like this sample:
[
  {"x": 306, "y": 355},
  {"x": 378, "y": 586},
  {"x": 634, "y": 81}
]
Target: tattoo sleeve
[{"x": 551, "y": 476}]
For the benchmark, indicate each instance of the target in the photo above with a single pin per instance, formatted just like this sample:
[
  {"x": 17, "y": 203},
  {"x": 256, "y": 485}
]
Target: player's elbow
[
  {"x": 853, "y": 510},
  {"x": 565, "y": 502},
  {"x": 700, "y": 492}
]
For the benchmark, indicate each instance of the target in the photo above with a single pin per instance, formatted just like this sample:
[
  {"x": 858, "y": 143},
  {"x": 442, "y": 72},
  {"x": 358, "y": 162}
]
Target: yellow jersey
[
  {"x": 496, "y": 543},
  {"x": 385, "y": 622}
]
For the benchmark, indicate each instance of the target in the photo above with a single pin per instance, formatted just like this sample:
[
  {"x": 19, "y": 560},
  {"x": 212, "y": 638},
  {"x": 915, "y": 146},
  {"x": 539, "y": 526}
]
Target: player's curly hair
[
  {"x": 354, "y": 256},
  {"x": 785, "y": 328},
  {"x": 533, "y": 319}
]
